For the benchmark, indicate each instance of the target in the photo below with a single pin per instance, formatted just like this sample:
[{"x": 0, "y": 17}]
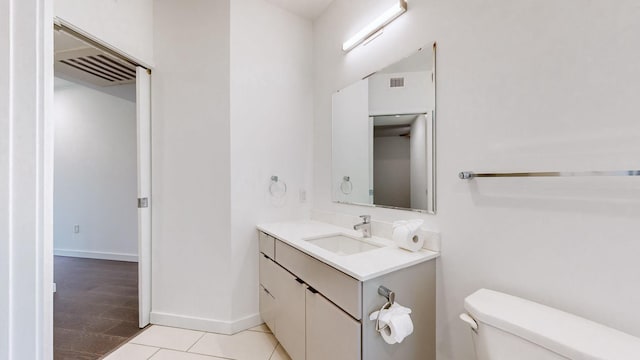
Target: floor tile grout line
[
  {"x": 194, "y": 344},
  {"x": 131, "y": 340},
  {"x": 188, "y": 351},
  {"x": 274, "y": 351},
  {"x": 159, "y": 348},
  {"x": 209, "y": 355},
  {"x": 127, "y": 341},
  {"x": 155, "y": 350},
  {"x": 154, "y": 353},
  {"x": 166, "y": 348}
]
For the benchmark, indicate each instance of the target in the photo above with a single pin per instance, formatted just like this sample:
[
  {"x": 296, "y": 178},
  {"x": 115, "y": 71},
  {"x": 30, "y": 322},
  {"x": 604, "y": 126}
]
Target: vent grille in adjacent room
[
  {"x": 103, "y": 67},
  {"x": 396, "y": 82},
  {"x": 77, "y": 59}
]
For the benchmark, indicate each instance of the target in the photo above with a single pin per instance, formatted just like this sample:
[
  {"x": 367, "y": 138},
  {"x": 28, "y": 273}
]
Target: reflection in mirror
[{"x": 384, "y": 139}]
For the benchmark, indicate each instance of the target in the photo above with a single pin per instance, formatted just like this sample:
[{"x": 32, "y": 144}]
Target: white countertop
[{"x": 362, "y": 266}]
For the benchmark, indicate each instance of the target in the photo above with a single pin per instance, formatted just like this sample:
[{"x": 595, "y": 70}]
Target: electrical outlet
[
  {"x": 303, "y": 196},
  {"x": 76, "y": 229}
]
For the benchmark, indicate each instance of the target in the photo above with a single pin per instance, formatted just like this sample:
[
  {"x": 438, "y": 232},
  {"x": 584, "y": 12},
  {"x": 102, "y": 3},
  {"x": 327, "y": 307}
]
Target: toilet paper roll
[
  {"x": 400, "y": 233},
  {"x": 409, "y": 240},
  {"x": 414, "y": 243},
  {"x": 407, "y": 236},
  {"x": 395, "y": 323},
  {"x": 399, "y": 327}
]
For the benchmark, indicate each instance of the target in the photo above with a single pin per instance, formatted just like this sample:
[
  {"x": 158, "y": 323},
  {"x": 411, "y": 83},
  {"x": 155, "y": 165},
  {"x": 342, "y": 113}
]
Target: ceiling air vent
[
  {"x": 78, "y": 60},
  {"x": 103, "y": 67},
  {"x": 396, "y": 82}
]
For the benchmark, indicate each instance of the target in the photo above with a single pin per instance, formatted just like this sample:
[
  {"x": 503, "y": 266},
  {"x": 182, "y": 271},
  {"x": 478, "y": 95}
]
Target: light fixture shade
[{"x": 388, "y": 16}]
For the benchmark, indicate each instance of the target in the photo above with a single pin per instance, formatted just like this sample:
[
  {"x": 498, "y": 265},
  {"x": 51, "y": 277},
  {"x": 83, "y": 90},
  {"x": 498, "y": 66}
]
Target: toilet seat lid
[{"x": 563, "y": 333}]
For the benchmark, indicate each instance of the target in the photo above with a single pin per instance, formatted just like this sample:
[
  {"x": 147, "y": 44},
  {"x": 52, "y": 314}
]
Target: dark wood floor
[{"x": 95, "y": 306}]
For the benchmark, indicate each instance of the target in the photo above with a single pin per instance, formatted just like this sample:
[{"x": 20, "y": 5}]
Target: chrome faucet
[{"x": 365, "y": 226}]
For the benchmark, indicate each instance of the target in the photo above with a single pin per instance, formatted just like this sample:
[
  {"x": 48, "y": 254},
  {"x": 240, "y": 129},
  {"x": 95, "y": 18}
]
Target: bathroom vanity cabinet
[{"x": 318, "y": 312}]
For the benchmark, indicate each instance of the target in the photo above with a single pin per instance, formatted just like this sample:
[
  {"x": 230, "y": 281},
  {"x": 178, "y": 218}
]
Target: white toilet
[{"x": 505, "y": 327}]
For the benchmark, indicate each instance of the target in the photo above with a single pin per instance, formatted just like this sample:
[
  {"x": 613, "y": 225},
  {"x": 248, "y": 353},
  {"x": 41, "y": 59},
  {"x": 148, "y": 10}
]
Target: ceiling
[
  {"x": 64, "y": 42},
  {"x": 388, "y": 120},
  {"x": 309, "y": 9}
]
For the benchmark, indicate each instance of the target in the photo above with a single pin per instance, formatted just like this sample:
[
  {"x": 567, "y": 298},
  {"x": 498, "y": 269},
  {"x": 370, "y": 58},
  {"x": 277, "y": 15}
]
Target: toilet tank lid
[{"x": 563, "y": 333}]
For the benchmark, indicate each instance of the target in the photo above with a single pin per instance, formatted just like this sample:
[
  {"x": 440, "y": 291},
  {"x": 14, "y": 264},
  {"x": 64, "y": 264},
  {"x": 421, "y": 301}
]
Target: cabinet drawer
[
  {"x": 342, "y": 289},
  {"x": 268, "y": 309},
  {"x": 267, "y": 269},
  {"x": 267, "y": 245}
]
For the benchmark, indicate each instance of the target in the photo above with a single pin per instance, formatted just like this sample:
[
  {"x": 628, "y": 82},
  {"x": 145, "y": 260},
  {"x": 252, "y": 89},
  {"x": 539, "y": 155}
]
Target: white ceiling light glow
[{"x": 376, "y": 25}]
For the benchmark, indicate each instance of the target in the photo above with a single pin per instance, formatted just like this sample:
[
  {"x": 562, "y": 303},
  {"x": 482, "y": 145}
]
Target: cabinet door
[
  {"x": 268, "y": 308},
  {"x": 331, "y": 333},
  {"x": 290, "y": 318}
]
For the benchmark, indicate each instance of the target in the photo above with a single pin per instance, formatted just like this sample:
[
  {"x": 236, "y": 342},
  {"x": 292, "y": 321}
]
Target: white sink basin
[{"x": 342, "y": 244}]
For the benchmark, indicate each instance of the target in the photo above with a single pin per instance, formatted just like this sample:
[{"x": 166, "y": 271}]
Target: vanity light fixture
[{"x": 376, "y": 25}]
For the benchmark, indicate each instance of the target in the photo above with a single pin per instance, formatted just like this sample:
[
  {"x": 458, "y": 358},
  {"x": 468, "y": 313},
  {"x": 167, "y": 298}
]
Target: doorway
[{"x": 101, "y": 196}]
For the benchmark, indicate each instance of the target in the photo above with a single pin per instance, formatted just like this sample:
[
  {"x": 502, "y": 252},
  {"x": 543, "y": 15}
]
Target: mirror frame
[{"x": 431, "y": 168}]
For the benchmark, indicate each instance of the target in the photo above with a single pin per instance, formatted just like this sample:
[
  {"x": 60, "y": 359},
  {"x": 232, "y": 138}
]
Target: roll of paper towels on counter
[{"x": 406, "y": 235}]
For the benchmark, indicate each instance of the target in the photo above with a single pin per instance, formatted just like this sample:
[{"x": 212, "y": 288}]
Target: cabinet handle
[
  {"x": 300, "y": 281},
  {"x": 267, "y": 291},
  {"x": 313, "y": 291}
]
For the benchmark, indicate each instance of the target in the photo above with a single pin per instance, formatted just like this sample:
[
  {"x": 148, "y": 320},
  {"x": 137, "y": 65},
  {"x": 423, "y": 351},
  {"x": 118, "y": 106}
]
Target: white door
[{"x": 143, "y": 103}]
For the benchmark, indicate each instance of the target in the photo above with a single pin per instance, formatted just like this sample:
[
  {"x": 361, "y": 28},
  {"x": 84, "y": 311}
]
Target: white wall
[
  {"x": 5, "y": 176},
  {"x": 125, "y": 25},
  {"x": 95, "y": 174},
  {"x": 517, "y": 90},
  {"x": 190, "y": 164},
  {"x": 248, "y": 104},
  {"x": 413, "y": 98},
  {"x": 26, "y": 272},
  {"x": 124, "y": 91},
  {"x": 271, "y": 133},
  {"x": 352, "y": 138}
]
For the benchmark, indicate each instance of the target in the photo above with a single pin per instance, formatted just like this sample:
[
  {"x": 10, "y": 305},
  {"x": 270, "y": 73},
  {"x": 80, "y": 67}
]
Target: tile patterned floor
[
  {"x": 166, "y": 343},
  {"x": 95, "y": 307}
]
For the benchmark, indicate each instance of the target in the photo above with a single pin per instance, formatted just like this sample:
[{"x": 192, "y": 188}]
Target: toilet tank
[{"x": 506, "y": 327}]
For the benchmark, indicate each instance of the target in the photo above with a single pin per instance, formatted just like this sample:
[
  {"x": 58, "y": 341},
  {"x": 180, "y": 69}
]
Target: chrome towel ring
[{"x": 277, "y": 188}]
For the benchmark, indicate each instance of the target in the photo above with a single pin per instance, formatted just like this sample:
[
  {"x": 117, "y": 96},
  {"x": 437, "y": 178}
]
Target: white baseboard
[
  {"x": 204, "y": 324},
  {"x": 96, "y": 255},
  {"x": 245, "y": 323}
]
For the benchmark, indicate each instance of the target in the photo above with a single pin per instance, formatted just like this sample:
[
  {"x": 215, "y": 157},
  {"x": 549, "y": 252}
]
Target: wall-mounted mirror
[{"x": 384, "y": 137}]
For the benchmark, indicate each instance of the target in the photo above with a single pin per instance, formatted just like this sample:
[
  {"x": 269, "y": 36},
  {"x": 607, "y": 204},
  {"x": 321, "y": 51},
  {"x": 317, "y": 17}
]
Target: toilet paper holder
[
  {"x": 390, "y": 295},
  {"x": 391, "y": 299}
]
